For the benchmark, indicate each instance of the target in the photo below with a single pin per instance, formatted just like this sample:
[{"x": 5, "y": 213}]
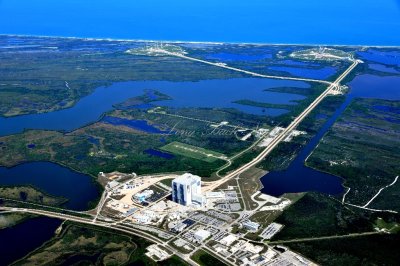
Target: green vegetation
[
  {"x": 354, "y": 251},
  {"x": 203, "y": 258},
  {"x": 362, "y": 147},
  {"x": 11, "y": 219},
  {"x": 192, "y": 152},
  {"x": 94, "y": 246},
  {"x": 281, "y": 157},
  {"x": 322, "y": 229},
  {"x": 122, "y": 148},
  {"x": 148, "y": 97},
  {"x": 293, "y": 90},
  {"x": 392, "y": 227},
  {"x": 88, "y": 245},
  {"x": 77, "y": 68},
  {"x": 30, "y": 194},
  {"x": 266, "y": 105},
  {"x": 167, "y": 182},
  {"x": 316, "y": 215},
  {"x": 249, "y": 183}
]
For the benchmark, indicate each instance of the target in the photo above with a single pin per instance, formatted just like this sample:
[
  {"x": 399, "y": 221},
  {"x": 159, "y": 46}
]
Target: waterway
[
  {"x": 17, "y": 241},
  {"x": 299, "y": 178},
  {"x": 55, "y": 180},
  {"x": 89, "y": 109},
  {"x": 79, "y": 189}
]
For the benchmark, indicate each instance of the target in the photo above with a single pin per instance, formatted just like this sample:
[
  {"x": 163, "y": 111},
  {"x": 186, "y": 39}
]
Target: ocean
[{"x": 341, "y": 22}]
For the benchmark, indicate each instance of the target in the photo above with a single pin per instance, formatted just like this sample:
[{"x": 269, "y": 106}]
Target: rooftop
[{"x": 187, "y": 179}]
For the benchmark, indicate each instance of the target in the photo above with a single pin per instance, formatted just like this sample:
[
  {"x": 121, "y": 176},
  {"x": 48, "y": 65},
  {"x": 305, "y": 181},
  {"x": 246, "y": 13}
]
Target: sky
[{"x": 269, "y": 21}]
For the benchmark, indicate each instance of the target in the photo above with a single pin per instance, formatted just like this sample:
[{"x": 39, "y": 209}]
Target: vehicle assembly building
[{"x": 186, "y": 190}]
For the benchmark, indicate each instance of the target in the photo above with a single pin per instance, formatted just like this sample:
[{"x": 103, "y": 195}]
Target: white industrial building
[
  {"x": 186, "y": 190},
  {"x": 201, "y": 235},
  {"x": 252, "y": 226}
]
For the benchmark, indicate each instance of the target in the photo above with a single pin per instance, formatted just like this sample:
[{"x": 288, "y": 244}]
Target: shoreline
[{"x": 194, "y": 42}]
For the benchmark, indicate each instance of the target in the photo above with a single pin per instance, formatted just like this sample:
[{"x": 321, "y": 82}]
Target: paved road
[
  {"x": 280, "y": 137},
  {"x": 121, "y": 228},
  {"x": 323, "y": 238},
  {"x": 240, "y": 70}
]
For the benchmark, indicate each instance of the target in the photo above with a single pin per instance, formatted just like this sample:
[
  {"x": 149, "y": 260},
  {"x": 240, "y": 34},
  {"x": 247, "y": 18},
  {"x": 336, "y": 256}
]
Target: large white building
[{"x": 186, "y": 190}]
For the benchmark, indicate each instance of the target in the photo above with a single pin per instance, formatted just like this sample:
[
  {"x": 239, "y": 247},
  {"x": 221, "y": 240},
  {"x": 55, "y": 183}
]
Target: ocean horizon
[
  {"x": 189, "y": 42},
  {"x": 309, "y": 22}
]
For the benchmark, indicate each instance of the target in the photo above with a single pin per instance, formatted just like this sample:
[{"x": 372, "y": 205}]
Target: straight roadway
[
  {"x": 121, "y": 228},
  {"x": 160, "y": 50},
  {"x": 280, "y": 137}
]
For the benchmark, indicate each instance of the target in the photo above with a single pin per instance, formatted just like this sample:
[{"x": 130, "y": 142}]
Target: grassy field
[
  {"x": 205, "y": 259},
  {"x": 90, "y": 245},
  {"x": 316, "y": 215},
  {"x": 190, "y": 151},
  {"x": 106, "y": 147},
  {"x": 11, "y": 219},
  {"x": 249, "y": 183},
  {"x": 362, "y": 147},
  {"x": 85, "y": 245},
  {"x": 30, "y": 194},
  {"x": 363, "y": 250}
]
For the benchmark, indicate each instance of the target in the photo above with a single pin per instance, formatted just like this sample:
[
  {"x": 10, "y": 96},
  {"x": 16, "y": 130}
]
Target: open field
[
  {"x": 90, "y": 245},
  {"x": 11, "y": 219},
  {"x": 193, "y": 152},
  {"x": 353, "y": 251},
  {"x": 30, "y": 194},
  {"x": 203, "y": 258},
  {"x": 362, "y": 147},
  {"x": 316, "y": 215},
  {"x": 249, "y": 183}
]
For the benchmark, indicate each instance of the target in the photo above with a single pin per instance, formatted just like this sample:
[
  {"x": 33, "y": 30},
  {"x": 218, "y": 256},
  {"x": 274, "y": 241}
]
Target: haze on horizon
[{"x": 356, "y": 22}]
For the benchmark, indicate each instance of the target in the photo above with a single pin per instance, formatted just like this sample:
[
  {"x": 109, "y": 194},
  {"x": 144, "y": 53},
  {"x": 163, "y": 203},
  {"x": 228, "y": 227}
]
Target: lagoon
[
  {"x": 90, "y": 109},
  {"x": 299, "y": 178},
  {"x": 55, "y": 180}
]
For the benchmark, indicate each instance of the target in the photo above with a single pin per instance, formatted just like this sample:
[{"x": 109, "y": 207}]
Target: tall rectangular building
[{"x": 186, "y": 189}]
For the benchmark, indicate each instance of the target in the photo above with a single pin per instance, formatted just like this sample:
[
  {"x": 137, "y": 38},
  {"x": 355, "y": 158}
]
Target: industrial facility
[{"x": 186, "y": 190}]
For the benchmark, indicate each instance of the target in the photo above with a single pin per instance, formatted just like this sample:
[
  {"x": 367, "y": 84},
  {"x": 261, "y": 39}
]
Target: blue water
[
  {"x": 383, "y": 57},
  {"x": 18, "y": 241},
  {"x": 383, "y": 68},
  {"x": 225, "y": 92},
  {"x": 284, "y": 21},
  {"x": 141, "y": 125},
  {"x": 371, "y": 86},
  {"x": 94, "y": 140},
  {"x": 319, "y": 73},
  {"x": 185, "y": 94},
  {"x": 228, "y": 57},
  {"x": 296, "y": 63},
  {"x": 299, "y": 178},
  {"x": 160, "y": 154},
  {"x": 387, "y": 109},
  {"x": 54, "y": 179}
]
